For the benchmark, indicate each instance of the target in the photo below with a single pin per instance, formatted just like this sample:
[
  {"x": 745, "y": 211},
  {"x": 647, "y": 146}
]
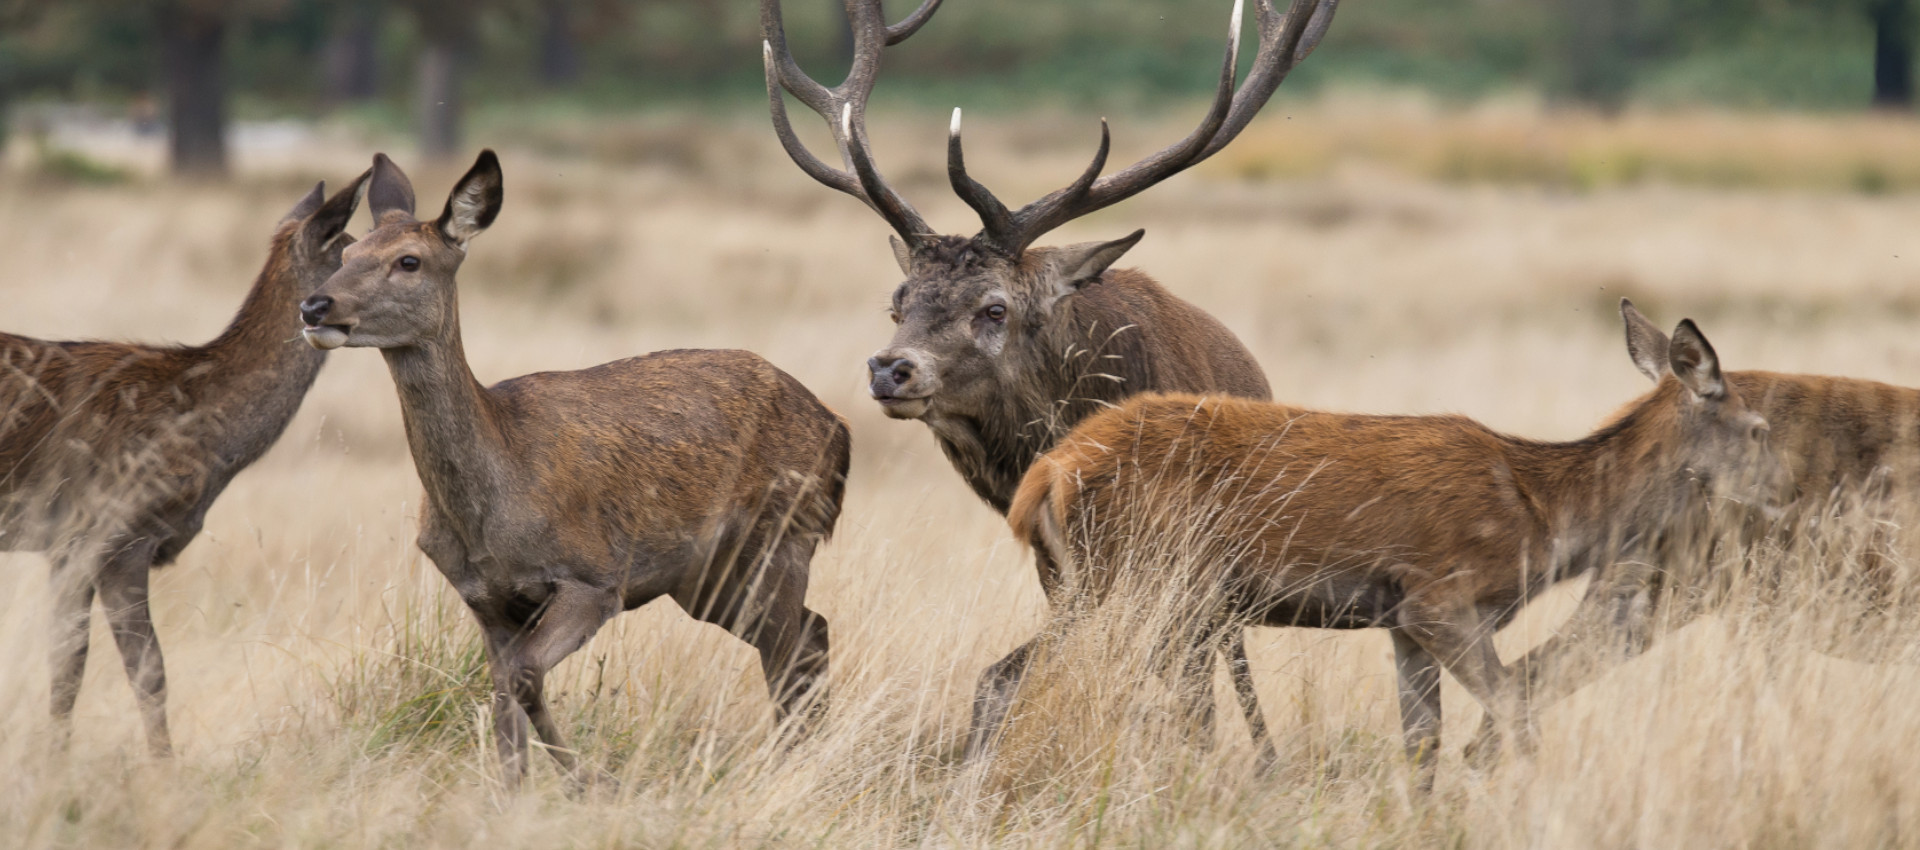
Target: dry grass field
[{"x": 324, "y": 682}]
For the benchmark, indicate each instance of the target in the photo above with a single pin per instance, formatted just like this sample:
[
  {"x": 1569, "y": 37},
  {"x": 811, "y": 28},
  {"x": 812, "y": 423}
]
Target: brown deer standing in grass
[
  {"x": 1848, "y": 444},
  {"x": 1435, "y": 528},
  {"x": 558, "y": 499},
  {"x": 112, "y": 453},
  {"x": 1002, "y": 347}
]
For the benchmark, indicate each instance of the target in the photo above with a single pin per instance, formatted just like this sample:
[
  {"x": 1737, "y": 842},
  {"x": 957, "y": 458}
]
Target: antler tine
[
  {"x": 994, "y": 216},
  {"x": 912, "y": 23},
  {"x": 1284, "y": 41},
  {"x": 843, "y": 107}
]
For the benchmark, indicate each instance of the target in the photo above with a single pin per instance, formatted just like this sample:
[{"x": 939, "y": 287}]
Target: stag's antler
[
  {"x": 843, "y": 106},
  {"x": 1284, "y": 41}
]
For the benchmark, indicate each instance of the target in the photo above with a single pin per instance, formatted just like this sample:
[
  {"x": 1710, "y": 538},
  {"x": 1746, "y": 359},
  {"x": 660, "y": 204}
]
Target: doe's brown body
[
  {"x": 112, "y": 453},
  {"x": 1433, "y": 527}
]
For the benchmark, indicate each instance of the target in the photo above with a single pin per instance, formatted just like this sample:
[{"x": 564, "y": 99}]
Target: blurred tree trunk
[
  {"x": 559, "y": 47},
  {"x": 1893, "y": 25},
  {"x": 352, "y": 55},
  {"x": 1598, "y": 51},
  {"x": 446, "y": 28},
  {"x": 193, "y": 40}
]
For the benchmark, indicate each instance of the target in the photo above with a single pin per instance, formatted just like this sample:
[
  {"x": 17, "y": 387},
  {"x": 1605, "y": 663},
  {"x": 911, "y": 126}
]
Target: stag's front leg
[
  {"x": 72, "y": 586},
  {"x": 122, "y": 585},
  {"x": 993, "y": 698}
]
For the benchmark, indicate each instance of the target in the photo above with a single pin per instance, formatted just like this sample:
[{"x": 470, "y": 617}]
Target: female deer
[
  {"x": 559, "y": 499},
  {"x": 1432, "y": 527},
  {"x": 112, "y": 453}
]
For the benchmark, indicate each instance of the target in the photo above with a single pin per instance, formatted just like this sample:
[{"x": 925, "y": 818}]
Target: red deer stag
[
  {"x": 1847, "y": 443},
  {"x": 113, "y": 452},
  {"x": 1002, "y": 347},
  {"x": 559, "y": 499},
  {"x": 1432, "y": 527}
]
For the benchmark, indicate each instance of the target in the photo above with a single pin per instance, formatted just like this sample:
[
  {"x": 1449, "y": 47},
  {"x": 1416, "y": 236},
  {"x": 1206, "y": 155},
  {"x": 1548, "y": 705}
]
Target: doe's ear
[
  {"x": 1694, "y": 363},
  {"x": 1086, "y": 261},
  {"x": 329, "y": 221},
  {"x": 390, "y": 193},
  {"x": 1646, "y": 345},
  {"x": 474, "y": 202},
  {"x": 901, "y": 254},
  {"x": 308, "y": 204}
]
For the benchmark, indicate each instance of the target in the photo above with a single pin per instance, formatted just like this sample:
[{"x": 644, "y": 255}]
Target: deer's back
[
  {"x": 1837, "y": 434},
  {"x": 1287, "y": 494},
  {"x": 655, "y": 445},
  {"x": 83, "y": 420},
  {"x": 1174, "y": 347}
]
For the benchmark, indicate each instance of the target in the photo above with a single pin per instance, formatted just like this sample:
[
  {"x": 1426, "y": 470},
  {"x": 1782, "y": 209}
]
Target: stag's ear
[
  {"x": 329, "y": 219},
  {"x": 308, "y": 204},
  {"x": 389, "y": 193},
  {"x": 1079, "y": 264},
  {"x": 1694, "y": 363},
  {"x": 1645, "y": 343},
  {"x": 475, "y": 201},
  {"x": 901, "y": 254}
]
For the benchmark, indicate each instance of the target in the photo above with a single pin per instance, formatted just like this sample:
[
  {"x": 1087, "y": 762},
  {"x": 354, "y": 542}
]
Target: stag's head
[
  {"x": 1724, "y": 444},
  {"x": 395, "y": 287},
  {"x": 968, "y": 301}
]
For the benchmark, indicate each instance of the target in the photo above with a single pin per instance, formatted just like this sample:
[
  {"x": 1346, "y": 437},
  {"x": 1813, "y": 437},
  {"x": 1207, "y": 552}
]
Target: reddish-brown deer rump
[
  {"x": 112, "y": 453},
  {"x": 556, "y": 500},
  {"x": 1433, "y": 527}
]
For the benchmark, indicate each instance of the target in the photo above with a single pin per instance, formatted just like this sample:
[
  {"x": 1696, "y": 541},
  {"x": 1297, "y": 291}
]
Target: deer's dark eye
[
  {"x": 996, "y": 312},
  {"x": 409, "y": 263}
]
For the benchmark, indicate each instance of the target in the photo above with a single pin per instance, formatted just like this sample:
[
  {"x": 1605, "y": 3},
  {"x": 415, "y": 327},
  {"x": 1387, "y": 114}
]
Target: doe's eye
[
  {"x": 409, "y": 263},
  {"x": 894, "y": 315},
  {"x": 996, "y": 312}
]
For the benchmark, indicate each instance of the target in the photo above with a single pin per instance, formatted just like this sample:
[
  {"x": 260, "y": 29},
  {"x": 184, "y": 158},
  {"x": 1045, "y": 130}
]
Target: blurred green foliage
[{"x": 1760, "y": 53}]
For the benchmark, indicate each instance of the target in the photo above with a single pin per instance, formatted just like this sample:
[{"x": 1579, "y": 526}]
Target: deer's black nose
[
  {"x": 889, "y": 373},
  {"x": 314, "y": 310}
]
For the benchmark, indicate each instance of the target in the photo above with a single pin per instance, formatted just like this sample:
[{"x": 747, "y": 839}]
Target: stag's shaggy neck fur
[{"x": 1115, "y": 337}]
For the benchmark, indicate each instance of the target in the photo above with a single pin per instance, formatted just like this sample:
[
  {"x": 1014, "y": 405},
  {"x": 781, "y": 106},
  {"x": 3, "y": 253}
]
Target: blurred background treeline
[{"x": 190, "y": 68}]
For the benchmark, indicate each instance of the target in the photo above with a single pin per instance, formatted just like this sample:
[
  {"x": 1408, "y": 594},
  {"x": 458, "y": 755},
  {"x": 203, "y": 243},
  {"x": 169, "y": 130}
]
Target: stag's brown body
[
  {"x": 559, "y": 499},
  {"x": 112, "y": 453},
  {"x": 1434, "y": 527}
]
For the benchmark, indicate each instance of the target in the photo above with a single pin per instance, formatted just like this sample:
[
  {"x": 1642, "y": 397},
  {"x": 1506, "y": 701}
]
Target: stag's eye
[
  {"x": 409, "y": 263},
  {"x": 996, "y": 312},
  {"x": 1758, "y": 433},
  {"x": 894, "y": 315}
]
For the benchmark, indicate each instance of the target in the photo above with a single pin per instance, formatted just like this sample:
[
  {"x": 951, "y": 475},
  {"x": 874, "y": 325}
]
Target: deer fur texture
[
  {"x": 558, "y": 499},
  {"x": 1435, "y": 528},
  {"x": 112, "y": 453}
]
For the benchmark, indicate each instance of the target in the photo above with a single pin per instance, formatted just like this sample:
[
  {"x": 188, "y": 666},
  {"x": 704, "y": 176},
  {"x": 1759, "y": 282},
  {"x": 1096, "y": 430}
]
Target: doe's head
[
  {"x": 395, "y": 287},
  {"x": 313, "y": 234},
  {"x": 1724, "y": 443}
]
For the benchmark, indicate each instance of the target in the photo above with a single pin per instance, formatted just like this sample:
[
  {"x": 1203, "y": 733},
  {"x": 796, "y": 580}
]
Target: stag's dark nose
[
  {"x": 314, "y": 310},
  {"x": 889, "y": 374}
]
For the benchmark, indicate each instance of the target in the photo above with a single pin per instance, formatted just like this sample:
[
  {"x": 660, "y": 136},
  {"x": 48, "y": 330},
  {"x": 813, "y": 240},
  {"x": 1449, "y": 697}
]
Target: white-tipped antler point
[
  {"x": 953, "y": 129},
  {"x": 1233, "y": 25}
]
